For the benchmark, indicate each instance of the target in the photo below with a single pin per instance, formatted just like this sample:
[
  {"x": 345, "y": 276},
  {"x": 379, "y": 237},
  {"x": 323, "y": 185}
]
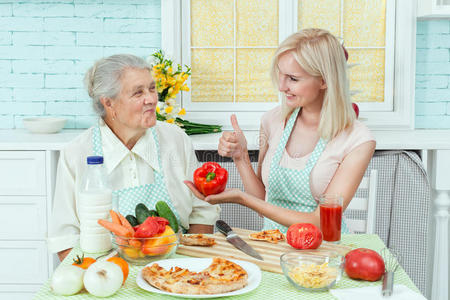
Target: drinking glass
[{"x": 331, "y": 216}]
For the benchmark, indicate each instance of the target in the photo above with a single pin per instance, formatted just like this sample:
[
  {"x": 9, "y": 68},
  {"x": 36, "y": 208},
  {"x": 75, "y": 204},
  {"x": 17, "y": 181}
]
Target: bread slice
[
  {"x": 271, "y": 236},
  {"x": 197, "y": 240},
  {"x": 221, "y": 276}
]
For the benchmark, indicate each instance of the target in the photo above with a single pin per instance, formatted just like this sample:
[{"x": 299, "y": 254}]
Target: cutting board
[{"x": 270, "y": 252}]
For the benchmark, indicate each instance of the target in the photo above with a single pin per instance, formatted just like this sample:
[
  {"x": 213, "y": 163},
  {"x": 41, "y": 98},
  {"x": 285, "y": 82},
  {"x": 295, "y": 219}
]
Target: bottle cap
[{"x": 94, "y": 160}]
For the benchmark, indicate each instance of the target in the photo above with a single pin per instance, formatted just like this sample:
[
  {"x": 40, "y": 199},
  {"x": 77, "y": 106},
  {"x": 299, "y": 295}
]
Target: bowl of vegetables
[
  {"x": 147, "y": 236},
  {"x": 309, "y": 272},
  {"x": 141, "y": 251}
]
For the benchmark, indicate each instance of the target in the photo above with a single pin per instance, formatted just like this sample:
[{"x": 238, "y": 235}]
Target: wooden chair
[{"x": 365, "y": 204}]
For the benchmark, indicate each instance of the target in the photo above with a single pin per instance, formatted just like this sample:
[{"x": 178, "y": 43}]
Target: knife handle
[{"x": 223, "y": 227}]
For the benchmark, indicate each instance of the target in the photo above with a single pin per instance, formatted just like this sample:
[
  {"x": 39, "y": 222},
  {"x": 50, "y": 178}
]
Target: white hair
[{"x": 103, "y": 79}]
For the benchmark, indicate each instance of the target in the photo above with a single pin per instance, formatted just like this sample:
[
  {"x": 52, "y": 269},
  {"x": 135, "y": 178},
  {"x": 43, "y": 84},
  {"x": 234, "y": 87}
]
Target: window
[{"x": 229, "y": 45}]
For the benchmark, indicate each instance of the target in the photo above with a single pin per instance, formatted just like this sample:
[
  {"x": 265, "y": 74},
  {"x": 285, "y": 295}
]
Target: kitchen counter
[{"x": 21, "y": 139}]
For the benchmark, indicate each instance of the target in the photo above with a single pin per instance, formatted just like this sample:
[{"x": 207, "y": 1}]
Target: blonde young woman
[
  {"x": 146, "y": 161},
  {"x": 310, "y": 145}
]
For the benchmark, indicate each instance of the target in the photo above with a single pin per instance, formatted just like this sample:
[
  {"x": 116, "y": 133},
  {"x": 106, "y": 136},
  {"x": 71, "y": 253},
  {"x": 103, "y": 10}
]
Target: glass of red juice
[{"x": 331, "y": 217}]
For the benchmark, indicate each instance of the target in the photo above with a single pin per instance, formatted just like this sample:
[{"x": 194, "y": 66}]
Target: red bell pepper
[
  {"x": 210, "y": 178},
  {"x": 151, "y": 227}
]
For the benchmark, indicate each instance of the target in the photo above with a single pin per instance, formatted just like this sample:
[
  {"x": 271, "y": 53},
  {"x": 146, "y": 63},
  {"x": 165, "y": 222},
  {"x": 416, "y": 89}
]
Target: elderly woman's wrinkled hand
[
  {"x": 227, "y": 196},
  {"x": 233, "y": 143}
]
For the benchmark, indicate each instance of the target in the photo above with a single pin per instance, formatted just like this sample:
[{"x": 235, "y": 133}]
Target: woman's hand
[
  {"x": 227, "y": 196},
  {"x": 233, "y": 143}
]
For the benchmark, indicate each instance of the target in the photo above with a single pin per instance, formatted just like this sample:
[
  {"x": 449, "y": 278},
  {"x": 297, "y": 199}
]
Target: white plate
[{"x": 197, "y": 265}]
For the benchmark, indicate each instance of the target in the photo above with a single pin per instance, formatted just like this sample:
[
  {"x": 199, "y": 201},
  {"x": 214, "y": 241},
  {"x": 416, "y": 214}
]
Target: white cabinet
[
  {"x": 22, "y": 173},
  {"x": 26, "y": 188}
]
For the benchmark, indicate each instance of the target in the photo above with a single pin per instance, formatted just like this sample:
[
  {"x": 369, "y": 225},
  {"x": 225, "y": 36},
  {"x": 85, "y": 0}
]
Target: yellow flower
[
  {"x": 168, "y": 109},
  {"x": 182, "y": 112},
  {"x": 185, "y": 88},
  {"x": 158, "y": 110},
  {"x": 171, "y": 81},
  {"x": 170, "y": 121},
  {"x": 170, "y": 70}
]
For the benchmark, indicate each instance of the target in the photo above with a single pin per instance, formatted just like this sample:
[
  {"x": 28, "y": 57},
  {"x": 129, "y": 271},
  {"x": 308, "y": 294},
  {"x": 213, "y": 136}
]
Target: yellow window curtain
[
  {"x": 232, "y": 43},
  {"x": 361, "y": 23}
]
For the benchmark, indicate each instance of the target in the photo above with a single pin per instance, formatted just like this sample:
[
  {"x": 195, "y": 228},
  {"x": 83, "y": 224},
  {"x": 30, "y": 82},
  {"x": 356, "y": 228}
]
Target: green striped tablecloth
[{"x": 272, "y": 284}]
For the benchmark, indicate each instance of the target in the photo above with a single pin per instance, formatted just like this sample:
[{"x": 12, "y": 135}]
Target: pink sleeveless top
[{"x": 335, "y": 151}]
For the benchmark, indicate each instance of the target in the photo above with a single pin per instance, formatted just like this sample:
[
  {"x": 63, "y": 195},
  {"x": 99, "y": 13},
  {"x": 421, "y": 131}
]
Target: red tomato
[
  {"x": 356, "y": 109},
  {"x": 151, "y": 227},
  {"x": 364, "y": 264},
  {"x": 304, "y": 236}
]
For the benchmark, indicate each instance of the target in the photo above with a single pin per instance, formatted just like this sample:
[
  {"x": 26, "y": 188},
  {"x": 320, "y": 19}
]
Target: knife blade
[{"x": 235, "y": 240}]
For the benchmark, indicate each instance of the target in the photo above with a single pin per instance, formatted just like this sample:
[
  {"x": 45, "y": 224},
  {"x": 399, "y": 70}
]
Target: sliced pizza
[
  {"x": 271, "y": 236},
  {"x": 197, "y": 240},
  {"x": 221, "y": 276}
]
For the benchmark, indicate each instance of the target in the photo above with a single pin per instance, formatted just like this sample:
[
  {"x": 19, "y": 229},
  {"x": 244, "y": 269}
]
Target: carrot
[
  {"x": 115, "y": 228},
  {"x": 125, "y": 223},
  {"x": 121, "y": 242},
  {"x": 115, "y": 218},
  {"x": 135, "y": 243}
]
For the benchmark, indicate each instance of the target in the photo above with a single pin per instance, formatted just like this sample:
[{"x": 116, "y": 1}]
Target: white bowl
[{"x": 44, "y": 124}]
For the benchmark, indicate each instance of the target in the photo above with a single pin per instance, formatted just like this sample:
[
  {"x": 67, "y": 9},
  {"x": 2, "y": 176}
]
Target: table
[{"x": 272, "y": 284}]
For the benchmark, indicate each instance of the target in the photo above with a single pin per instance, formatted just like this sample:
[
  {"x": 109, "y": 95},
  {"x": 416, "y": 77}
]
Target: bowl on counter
[
  {"x": 141, "y": 251},
  {"x": 44, "y": 124},
  {"x": 312, "y": 272}
]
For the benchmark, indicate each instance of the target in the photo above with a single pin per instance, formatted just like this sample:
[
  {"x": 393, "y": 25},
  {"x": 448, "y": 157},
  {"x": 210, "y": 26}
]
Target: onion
[
  {"x": 103, "y": 278},
  {"x": 67, "y": 280}
]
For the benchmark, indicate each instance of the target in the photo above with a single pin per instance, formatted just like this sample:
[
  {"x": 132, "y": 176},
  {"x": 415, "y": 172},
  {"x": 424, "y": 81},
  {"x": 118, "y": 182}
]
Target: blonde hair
[{"x": 320, "y": 54}]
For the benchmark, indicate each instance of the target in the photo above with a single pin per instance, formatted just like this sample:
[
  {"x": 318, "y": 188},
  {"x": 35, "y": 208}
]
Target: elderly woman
[{"x": 141, "y": 156}]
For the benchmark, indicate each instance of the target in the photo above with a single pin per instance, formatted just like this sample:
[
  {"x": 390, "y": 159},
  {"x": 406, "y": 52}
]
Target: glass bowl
[
  {"x": 312, "y": 272},
  {"x": 141, "y": 251}
]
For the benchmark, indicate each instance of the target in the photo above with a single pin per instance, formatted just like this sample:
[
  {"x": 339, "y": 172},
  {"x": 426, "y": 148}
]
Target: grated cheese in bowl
[
  {"x": 311, "y": 272},
  {"x": 314, "y": 276}
]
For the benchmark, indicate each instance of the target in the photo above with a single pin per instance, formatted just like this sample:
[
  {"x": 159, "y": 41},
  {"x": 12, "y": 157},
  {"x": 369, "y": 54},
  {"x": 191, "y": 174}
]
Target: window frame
[{"x": 401, "y": 83}]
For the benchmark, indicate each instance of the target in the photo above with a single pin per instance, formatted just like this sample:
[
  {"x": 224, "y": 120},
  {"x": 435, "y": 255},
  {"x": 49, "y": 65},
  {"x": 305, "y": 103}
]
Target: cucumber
[
  {"x": 164, "y": 211},
  {"x": 153, "y": 213},
  {"x": 142, "y": 213},
  {"x": 132, "y": 220}
]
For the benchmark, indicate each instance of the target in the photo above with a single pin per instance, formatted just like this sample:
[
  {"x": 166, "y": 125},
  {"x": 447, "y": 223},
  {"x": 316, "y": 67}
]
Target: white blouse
[{"x": 127, "y": 168}]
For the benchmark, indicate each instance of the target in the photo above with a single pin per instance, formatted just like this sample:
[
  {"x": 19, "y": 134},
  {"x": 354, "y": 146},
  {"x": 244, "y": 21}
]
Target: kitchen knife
[{"x": 235, "y": 240}]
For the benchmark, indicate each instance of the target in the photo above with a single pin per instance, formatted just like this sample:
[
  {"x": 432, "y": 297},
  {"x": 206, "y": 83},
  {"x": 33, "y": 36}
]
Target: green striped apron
[{"x": 289, "y": 188}]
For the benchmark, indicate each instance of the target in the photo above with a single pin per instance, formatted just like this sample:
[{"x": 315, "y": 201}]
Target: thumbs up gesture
[{"x": 233, "y": 143}]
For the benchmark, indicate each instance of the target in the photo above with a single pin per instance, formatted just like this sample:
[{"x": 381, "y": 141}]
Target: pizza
[
  {"x": 221, "y": 276},
  {"x": 271, "y": 236},
  {"x": 197, "y": 240}
]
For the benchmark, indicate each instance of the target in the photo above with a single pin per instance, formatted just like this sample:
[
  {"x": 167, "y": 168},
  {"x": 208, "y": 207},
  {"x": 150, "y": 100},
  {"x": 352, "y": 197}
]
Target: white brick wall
[
  {"x": 433, "y": 74},
  {"x": 46, "y": 46}
]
